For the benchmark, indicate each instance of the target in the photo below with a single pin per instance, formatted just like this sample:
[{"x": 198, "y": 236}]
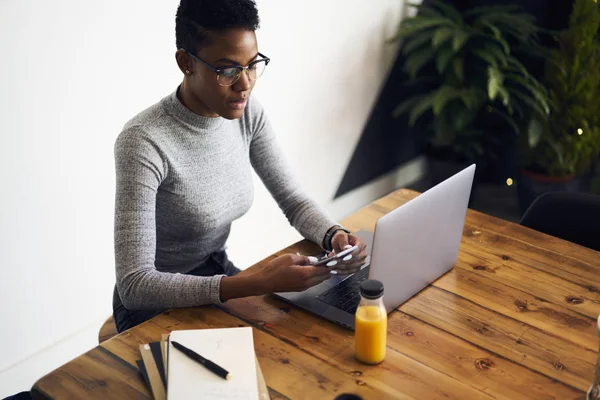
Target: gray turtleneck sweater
[{"x": 181, "y": 180}]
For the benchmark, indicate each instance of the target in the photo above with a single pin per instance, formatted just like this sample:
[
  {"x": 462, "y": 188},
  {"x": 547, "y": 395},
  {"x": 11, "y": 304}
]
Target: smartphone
[{"x": 340, "y": 255}]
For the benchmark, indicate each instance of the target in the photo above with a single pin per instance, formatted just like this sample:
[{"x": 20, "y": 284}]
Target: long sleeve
[
  {"x": 303, "y": 213},
  {"x": 140, "y": 170}
]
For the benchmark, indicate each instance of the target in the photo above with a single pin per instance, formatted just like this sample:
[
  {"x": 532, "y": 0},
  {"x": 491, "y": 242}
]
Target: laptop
[{"x": 411, "y": 247}]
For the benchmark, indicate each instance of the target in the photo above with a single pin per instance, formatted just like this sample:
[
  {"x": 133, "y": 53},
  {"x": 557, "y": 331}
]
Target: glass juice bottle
[{"x": 370, "y": 334}]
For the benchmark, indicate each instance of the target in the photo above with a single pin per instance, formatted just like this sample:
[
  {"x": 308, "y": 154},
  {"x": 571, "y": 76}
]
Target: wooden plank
[
  {"x": 522, "y": 306},
  {"x": 567, "y": 268},
  {"x": 538, "y": 350},
  {"x": 512, "y": 272},
  {"x": 548, "y": 243},
  {"x": 94, "y": 375},
  {"x": 481, "y": 369},
  {"x": 423, "y": 343},
  {"x": 296, "y": 373}
]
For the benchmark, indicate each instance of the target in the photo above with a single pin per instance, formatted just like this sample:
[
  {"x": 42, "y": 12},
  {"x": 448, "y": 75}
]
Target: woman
[{"x": 184, "y": 175}]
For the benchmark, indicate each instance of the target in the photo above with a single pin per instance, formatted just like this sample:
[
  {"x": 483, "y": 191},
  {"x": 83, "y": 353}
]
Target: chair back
[{"x": 570, "y": 216}]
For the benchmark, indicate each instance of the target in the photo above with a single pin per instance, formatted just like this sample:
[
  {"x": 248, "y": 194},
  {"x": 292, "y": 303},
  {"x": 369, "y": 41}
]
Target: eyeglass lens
[{"x": 229, "y": 76}]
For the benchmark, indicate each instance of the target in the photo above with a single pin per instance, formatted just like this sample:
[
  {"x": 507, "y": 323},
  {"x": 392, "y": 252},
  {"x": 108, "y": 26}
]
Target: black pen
[{"x": 211, "y": 366}]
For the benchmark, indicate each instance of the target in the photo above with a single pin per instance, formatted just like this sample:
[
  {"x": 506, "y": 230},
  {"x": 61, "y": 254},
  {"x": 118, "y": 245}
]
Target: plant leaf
[
  {"x": 495, "y": 31},
  {"x": 498, "y": 54},
  {"x": 457, "y": 66},
  {"x": 416, "y": 60},
  {"x": 534, "y": 132},
  {"x": 503, "y": 43},
  {"x": 505, "y": 98},
  {"x": 534, "y": 88},
  {"x": 420, "y": 107},
  {"x": 442, "y": 96},
  {"x": 463, "y": 118},
  {"x": 442, "y": 59},
  {"x": 485, "y": 57},
  {"x": 469, "y": 97},
  {"x": 441, "y": 35},
  {"x": 459, "y": 39},
  {"x": 448, "y": 10},
  {"x": 416, "y": 41},
  {"x": 495, "y": 81},
  {"x": 410, "y": 26},
  {"x": 425, "y": 11},
  {"x": 406, "y": 105},
  {"x": 533, "y": 105},
  {"x": 515, "y": 65}
]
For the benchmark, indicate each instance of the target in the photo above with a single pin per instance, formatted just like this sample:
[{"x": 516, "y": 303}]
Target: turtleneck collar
[{"x": 176, "y": 108}]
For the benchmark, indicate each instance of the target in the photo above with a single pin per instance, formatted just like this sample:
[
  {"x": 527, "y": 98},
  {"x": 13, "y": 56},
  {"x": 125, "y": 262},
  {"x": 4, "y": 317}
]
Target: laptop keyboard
[{"x": 346, "y": 294}]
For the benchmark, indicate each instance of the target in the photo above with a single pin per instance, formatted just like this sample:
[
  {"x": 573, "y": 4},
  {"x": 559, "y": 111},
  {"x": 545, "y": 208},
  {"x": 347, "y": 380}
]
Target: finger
[
  {"x": 355, "y": 241},
  {"x": 313, "y": 271},
  {"x": 340, "y": 241},
  {"x": 344, "y": 272},
  {"x": 354, "y": 264},
  {"x": 348, "y": 269},
  {"x": 356, "y": 258},
  {"x": 299, "y": 259},
  {"x": 360, "y": 257}
]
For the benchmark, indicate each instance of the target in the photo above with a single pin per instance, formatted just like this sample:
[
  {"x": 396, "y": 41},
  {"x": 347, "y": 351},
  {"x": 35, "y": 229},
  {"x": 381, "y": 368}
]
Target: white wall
[{"x": 73, "y": 72}]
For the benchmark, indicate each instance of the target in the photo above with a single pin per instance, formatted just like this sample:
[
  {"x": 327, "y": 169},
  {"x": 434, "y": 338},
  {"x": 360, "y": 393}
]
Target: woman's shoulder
[
  {"x": 145, "y": 124},
  {"x": 146, "y": 118}
]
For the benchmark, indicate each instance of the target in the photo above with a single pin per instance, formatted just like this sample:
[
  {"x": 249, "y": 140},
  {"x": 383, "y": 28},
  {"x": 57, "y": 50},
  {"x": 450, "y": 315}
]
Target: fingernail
[
  {"x": 333, "y": 272},
  {"x": 348, "y": 257},
  {"x": 312, "y": 259},
  {"x": 347, "y": 246}
]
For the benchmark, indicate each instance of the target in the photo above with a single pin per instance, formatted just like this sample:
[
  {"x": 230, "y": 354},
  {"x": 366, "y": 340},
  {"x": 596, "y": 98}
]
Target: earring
[{"x": 187, "y": 71}]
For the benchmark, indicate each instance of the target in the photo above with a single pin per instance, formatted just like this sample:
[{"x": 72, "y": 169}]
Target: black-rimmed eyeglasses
[{"x": 227, "y": 76}]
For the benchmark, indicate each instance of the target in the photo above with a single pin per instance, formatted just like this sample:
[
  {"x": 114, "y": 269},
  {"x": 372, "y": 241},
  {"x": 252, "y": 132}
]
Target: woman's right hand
[
  {"x": 286, "y": 273},
  {"x": 291, "y": 273}
]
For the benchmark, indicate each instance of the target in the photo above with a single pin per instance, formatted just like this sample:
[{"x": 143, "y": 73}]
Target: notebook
[
  {"x": 152, "y": 369},
  {"x": 230, "y": 348}
]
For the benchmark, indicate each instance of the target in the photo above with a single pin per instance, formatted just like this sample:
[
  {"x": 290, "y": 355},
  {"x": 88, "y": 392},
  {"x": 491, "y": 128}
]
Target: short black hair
[{"x": 195, "y": 17}]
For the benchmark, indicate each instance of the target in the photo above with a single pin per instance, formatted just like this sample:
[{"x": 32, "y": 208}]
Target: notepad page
[{"x": 230, "y": 348}]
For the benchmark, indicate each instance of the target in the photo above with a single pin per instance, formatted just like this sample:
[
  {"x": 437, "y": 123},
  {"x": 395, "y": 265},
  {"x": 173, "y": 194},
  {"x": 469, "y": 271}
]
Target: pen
[{"x": 211, "y": 366}]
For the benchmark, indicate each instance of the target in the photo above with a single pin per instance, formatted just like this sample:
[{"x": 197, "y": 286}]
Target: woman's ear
[{"x": 184, "y": 62}]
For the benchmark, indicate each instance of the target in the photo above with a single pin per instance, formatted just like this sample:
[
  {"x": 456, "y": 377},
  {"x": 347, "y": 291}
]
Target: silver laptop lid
[{"x": 418, "y": 242}]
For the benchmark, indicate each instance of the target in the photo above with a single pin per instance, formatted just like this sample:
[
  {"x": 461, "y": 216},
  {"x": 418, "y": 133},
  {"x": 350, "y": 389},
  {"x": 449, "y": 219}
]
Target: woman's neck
[{"x": 193, "y": 103}]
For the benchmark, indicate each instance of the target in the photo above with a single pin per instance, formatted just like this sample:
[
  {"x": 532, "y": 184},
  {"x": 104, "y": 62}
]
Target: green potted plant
[
  {"x": 473, "y": 88},
  {"x": 562, "y": 147}
]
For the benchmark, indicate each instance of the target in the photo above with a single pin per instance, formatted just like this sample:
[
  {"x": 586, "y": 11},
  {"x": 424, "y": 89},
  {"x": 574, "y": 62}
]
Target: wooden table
[{"x": 515, "y": 319}]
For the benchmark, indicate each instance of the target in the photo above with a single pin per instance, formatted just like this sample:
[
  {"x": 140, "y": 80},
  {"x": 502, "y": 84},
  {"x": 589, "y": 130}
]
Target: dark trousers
[{"x": 216, "y": 264}]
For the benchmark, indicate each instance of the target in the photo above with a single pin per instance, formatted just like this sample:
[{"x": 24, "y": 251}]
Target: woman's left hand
[{"x": 341, "y": 241}]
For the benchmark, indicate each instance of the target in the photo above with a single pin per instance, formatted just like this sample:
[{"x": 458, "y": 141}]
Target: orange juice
[{"x": 370, "y": 334}]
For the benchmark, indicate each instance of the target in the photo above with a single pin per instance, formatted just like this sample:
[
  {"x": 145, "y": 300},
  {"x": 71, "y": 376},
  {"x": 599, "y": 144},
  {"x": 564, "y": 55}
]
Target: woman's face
[{"x": 229, "y": 48}]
